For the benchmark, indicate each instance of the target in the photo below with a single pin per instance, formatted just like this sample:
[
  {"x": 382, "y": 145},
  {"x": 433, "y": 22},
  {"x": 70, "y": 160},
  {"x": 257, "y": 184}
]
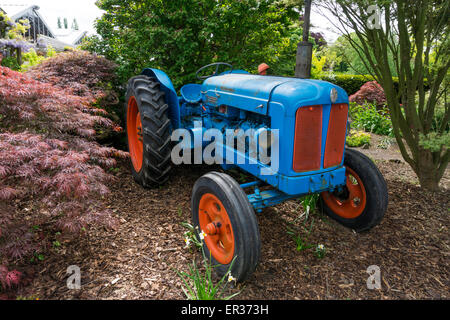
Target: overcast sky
[
  {"x": 86, "y": 12},
  {"x": 323, "y": 25}
]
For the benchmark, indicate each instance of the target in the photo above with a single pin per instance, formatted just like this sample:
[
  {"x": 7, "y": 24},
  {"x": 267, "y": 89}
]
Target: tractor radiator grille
[
  {"x": 308, "y": 139},
  {"x": 334, "y": 149}
]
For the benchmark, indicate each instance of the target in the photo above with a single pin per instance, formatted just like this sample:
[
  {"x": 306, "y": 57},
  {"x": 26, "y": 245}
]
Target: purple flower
[{"x": 14, "y": 43}]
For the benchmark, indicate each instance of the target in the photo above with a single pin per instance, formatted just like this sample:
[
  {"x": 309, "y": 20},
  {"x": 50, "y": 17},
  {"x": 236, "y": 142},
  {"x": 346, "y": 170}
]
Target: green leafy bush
[
  {"x": 368, "y": 118},
  {"x": 435, "y": 142},
  {"x": 318, "y": 64},
  {"x": 10, "y": 62},
  {"x": 180, "y": 36},
  {"x": 32, "y": 58},
  {"x": 352, "y": 83},
  {"x": 358, "y": 139},
  {"x": 12, "y": 39},
  {"x": 440, "y": 123}
]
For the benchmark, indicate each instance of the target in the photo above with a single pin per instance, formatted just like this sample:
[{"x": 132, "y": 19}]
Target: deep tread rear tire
[
  {"x": 243, "y": 219},
  {"x": 157, "y": 130}
]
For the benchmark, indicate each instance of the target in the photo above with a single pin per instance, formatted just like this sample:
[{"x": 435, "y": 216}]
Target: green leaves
[
  {"x": 199, "y": 284},
  {"x": 358, "y": 139},
  {"x": 180, "y": 36},
  {"x": 435, "y": 142},
  {"x": 368, "y": 118}
]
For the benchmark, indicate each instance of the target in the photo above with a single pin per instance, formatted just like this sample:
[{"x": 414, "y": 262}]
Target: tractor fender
[{"x": 170, "y": 92}]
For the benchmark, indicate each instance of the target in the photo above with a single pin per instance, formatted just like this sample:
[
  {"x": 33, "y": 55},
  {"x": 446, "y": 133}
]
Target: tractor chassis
[{"x": 312, "y": 184}]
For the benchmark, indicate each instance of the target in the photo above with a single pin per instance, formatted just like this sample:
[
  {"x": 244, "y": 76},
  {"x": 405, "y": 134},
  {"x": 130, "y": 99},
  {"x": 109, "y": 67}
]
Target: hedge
[{"x": 352, "y": 83}]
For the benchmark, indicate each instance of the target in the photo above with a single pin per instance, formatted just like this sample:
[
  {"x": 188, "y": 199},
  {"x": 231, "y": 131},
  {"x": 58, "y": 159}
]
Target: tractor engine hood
[{"x": 254, "y": 93}]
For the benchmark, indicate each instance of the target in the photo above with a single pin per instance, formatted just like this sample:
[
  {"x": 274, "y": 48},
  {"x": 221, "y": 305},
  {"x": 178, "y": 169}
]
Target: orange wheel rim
[
  {"x": 135, "y": 135},
  {"x": 354, "y": 205},
  {"x": 215, "y": 222}
]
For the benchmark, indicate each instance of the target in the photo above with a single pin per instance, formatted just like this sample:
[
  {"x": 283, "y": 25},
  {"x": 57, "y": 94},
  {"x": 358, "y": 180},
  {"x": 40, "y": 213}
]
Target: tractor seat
[{"x": 192, "y": 93}]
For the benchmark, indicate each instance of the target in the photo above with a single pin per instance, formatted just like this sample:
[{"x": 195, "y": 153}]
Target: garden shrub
[
  {"x": 439, "y": 120},
  {"x": 80, "y": 72},
  {"x": 435, "y": 142},
  {"x": 10, "y": 62},
  {"x": 32, "y": 58},
  {"x": 52, "y": 172},
  {"x": 12, "y": 40},
  {"x": 358, "y": 139},
  {"x": 85, "y": 75},
  {"x": 317, "y": 65},
  {"x": 352, "y": 83},
  {"x": 370, "y": 92},
  {"x": 367, "y": 117}
]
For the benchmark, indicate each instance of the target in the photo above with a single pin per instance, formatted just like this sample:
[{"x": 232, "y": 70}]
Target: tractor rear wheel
[
  {"x": 362, "y": 203},
  {"x": 222, "y": 212},
  {"x": 149, "y": 131}
]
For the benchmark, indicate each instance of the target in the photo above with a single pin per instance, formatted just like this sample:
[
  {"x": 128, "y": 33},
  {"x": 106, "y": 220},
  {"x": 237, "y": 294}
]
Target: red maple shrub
[
  {"x": 80, "y": 72},
  {"x": 52, "y": 171},
  {"x": 27, "y": 103},
  {"x": 85, "y": 75},
  {"x": 370, "y": 92}
]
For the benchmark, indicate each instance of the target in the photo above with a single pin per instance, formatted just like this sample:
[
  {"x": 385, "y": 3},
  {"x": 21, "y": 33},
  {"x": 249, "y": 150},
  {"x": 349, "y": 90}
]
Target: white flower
[
  {"x": 231, "y": 278},
  {"x": 320, "y": 247},
  {"x": 203, "y": 235},
  {"x": 188, "y": 242}
]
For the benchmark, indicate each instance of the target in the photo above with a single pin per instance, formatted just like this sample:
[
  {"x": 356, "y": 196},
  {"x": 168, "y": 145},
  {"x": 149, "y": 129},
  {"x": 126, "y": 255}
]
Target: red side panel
[
  {"x": 334, "y": 150},
  {"x": 308, "y": 139}
]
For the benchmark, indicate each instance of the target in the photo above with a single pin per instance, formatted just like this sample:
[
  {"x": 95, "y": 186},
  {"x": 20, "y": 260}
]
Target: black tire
[
  {"x": 376, "y": 193},
  {"x": 247, "y": 243},
  {"x": 156, "y": 129}
]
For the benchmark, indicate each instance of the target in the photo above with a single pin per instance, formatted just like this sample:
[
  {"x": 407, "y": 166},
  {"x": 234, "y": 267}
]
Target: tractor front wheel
[
  {"x": 222, "y": 212},
  {"x": 362, "y": 203},
  {"x": 149, "y": 131}
]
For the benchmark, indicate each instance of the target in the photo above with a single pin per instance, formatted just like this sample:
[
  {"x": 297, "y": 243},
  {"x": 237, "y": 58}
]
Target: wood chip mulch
[{"x": 139, "y": 260}]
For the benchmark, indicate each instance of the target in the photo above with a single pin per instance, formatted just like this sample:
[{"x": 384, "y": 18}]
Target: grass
[
  {"x": 190, "y": 236},
  {"x": 309, "y": 204},
  {"x": 386, "y": 143},
  {"x": 199, "y": 285},
  {"x": 301, "y": 238}
]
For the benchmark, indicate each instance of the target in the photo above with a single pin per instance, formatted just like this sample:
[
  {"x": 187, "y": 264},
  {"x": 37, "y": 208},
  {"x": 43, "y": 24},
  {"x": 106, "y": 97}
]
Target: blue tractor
[{"x": 305, "y": 124}]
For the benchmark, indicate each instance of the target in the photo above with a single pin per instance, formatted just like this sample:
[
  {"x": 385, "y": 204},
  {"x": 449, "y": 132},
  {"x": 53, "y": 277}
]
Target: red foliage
[
  {"x": 51, "y": 170},
  {"x": 370, "y": 92},
  {"x": 80, "y": 72},
  {"x": 9, "y": 279},
  {"x": 85, "y": 75},
  {"x": 33, "y": 104}
]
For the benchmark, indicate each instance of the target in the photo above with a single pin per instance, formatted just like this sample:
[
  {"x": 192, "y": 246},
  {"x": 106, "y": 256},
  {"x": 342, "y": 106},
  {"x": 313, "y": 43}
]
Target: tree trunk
[
  {"x": 427, "y": 172},
  {"x": 19, "y": 56},
  {"x": 428, "y": 181}
]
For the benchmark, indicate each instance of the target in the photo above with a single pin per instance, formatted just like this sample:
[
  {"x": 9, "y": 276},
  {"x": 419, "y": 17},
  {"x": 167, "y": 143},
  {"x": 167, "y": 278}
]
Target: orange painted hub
[
  {"x": 353, "y": 206},
  {"x": 214, "y": 221},
  {"x": 135, "y": 134}
]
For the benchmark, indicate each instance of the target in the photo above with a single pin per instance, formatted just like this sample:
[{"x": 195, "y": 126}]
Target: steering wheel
[{"x": 218, "y": 64}]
